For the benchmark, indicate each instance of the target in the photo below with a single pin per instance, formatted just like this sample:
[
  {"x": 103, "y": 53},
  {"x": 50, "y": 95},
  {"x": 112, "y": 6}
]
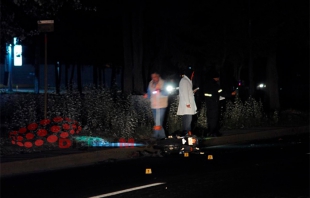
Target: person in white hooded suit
[{"x": 187, "y": 105}]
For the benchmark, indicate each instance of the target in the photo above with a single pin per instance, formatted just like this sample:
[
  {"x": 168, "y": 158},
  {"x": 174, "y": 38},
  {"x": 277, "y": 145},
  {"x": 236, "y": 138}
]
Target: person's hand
[
  {"x": 145, "y": 95},
  {"x": 233, "y": 93},
  {"x": 188, "y": 106}
]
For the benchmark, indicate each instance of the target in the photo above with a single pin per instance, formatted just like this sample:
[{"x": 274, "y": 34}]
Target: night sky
[{"x": 195, "y": 32}]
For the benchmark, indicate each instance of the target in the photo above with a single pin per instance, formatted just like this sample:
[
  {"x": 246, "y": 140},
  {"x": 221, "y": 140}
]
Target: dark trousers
[
  {"x": 212, "y": 115},
  {"x": 186, "y": 123}
]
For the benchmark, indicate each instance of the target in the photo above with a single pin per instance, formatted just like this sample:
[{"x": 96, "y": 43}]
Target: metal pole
[
  {"x": 11, "y": 63},
  {"x": 45, "y": 77}
]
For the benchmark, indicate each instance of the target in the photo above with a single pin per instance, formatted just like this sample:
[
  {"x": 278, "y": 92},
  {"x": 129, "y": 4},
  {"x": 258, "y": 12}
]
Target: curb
[
  {"x": 93, "y": 157},
  {"x": 250, "y": 136},
  {"x": 65, "y": 161}
]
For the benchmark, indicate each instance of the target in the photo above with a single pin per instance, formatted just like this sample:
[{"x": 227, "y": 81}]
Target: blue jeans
[
  {"x": 186, "y": 122},
  {"x": 159, "y": 115}
]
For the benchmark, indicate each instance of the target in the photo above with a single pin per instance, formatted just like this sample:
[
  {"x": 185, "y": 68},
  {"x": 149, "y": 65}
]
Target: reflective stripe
[
  {"x": 209, "y": 95},
  {"x": 220, "y": 90}
]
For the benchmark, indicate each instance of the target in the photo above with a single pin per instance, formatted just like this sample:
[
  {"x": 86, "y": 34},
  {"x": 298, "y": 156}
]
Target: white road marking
[{"x": 126, "y": 190}]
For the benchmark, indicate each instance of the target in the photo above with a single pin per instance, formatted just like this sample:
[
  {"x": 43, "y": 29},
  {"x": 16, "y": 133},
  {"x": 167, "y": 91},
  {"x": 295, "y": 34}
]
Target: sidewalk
[{"x": 65, "y": 158}]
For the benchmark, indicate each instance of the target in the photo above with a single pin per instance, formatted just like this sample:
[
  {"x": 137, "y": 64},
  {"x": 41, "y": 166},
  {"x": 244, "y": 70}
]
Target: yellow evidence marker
[{"x": 148, "y": 171}]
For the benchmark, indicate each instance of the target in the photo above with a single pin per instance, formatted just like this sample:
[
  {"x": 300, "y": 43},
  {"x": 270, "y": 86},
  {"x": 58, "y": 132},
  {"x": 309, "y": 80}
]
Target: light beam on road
[{"x": 100, "y": 142}]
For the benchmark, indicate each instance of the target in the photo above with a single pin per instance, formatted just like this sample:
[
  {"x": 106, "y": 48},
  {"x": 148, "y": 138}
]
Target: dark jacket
[{"x": 213, "y": 90}]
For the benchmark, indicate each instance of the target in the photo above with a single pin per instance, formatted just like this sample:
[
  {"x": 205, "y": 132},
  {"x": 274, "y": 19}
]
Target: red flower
[
  {"x": 28, "y": 144},
  {"x": 58, "y": 119},
  {"x": 32, "y": 126},
  {"x": 73, "y": 126},
  {"x": 79, "y": 129},
  {"x": 39, "y": 142},
  {"x": 68, "y": 119},
  {"x": 42, "y": 132},
  {"x": 20, "y": 144},
  {"x": 52, "y": 138},
  {"x": 22, "y": 130},
  {"x": 13, "y": 133},
  {"x": 45, "y": 122},
  {"x": 64, "y": 134},
  {"x": 66, "y": 126},
  {"x": 29, "y": 136},
  {"x": 20, "y": 138},
  {"x": 72, "y": 131},
  {"x": 55, "y": 129},
  {"x": 64, "y": 143}
]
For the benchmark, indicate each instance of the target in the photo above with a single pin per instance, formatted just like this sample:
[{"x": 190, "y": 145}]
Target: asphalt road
[{"x": 276, "y": 168}]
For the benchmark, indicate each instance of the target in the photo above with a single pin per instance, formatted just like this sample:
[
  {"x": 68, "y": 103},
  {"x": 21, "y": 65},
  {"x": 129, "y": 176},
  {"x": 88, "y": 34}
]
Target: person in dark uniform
[{"x": 213, "y": 93}]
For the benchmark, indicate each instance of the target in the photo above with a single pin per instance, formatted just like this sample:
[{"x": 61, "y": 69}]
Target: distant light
[
  {"x": 262, "y": 85},
  {"x": 18, "y": 61},
  {"x": 14, "y": 41}
]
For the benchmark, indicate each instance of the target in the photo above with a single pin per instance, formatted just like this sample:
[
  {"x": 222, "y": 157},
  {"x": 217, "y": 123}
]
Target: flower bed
[{"x": 48, "y": 131}]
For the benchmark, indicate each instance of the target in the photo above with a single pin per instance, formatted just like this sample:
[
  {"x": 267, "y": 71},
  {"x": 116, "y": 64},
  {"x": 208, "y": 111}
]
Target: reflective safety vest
[{"x": 210, "y": 95}]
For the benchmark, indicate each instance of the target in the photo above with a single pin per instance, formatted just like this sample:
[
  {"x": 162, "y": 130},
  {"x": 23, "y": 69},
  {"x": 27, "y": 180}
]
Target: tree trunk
[
  {"x": 66, "y": 76},
  {"x": 79, "y": 78},
  {"x": 57, "y": 77},
  {"x": 100, "y": 77},
  {"x": 95, "y": 75},
  {"x": 71, "y": 78},
  {"x": 37, "y": 66},
  {"x": 272, "y": 81},
  {"x": 127, "y": 77},
  {"x": 137, "y": 43}
]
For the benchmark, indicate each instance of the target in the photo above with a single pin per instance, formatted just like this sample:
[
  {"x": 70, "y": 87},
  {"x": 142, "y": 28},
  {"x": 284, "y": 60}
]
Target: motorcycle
[{"x": 178, "y": 144}]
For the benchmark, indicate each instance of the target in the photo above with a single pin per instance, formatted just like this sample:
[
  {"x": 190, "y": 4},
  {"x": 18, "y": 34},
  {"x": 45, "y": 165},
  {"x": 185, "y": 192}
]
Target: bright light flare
[{"x": 170, "y": 88}]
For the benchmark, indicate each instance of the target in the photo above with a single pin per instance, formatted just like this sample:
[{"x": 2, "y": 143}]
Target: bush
[
  {"x": 243, "y": 115},
  {"x": 103, "y": 113},
  {"x": 174, "y": 122}
]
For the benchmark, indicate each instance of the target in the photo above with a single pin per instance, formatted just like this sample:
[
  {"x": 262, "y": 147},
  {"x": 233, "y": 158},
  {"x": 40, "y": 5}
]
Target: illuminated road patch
[
  {"x": 127, "y": 190},
  {"x": 100, "y": 142}
]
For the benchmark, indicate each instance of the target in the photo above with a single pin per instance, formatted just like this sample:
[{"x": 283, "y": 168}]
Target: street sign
[{"x": 46, "y": 25}]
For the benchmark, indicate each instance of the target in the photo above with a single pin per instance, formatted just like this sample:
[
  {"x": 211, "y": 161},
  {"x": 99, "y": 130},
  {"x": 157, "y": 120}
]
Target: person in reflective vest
[{"x": 213, "y": 93}]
